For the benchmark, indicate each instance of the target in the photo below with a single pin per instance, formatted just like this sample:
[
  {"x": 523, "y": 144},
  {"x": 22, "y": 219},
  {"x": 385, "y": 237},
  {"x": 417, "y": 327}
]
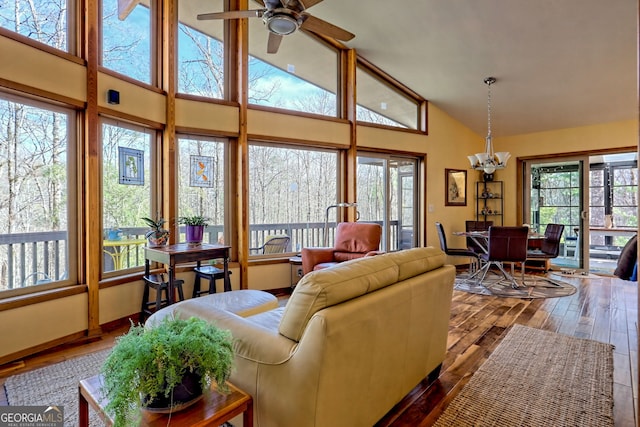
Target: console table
[
  {"x": 214, "y": 409},
  {"x": 171, "y": 255}
]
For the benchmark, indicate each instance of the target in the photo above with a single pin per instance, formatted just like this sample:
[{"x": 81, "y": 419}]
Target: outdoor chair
[
  {"x": 273, "y": 245},
  {"x": 550, "y": 247},
  {"x": 505, "y": 244},
  {"x": 468, "y": 253}
]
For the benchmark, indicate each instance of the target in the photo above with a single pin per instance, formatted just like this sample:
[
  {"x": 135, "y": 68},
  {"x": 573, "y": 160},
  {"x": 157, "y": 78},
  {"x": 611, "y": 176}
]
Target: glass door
[
  {"x": 595, "y": 197},
  {"x": 387, "y": 195},
  {"x": 555, "y": 195}
]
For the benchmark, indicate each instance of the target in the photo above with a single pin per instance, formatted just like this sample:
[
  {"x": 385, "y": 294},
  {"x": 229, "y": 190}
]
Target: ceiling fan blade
[
  {"x": 232, "y": 14},
  {"x": 308, "y": 3},
  {"x": 273, "y": 43},
  {"x": 320, "y": 26}
]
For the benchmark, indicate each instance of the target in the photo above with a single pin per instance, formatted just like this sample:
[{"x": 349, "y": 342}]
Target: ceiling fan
[{"x": 283, "y": 17}]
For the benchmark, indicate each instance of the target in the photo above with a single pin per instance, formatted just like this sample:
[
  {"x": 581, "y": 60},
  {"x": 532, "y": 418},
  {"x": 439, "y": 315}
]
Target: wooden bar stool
[
  {"x": 159, "y": 282},
  {"x": 211, "y": 274}
]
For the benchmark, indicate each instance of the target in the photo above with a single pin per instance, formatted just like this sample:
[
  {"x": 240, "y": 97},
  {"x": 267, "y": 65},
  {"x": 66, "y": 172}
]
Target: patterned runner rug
[
  {"x": 538, "y": 378},
  {"x": 535, "y": 286},
  {"x": 57, "y": 385}
]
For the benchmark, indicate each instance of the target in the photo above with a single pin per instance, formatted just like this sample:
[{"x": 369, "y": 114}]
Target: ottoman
[{"x": 243, "y": 303}]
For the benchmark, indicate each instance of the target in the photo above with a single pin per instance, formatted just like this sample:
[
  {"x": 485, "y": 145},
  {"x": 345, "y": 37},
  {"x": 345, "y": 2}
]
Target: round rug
[{"x": 534, "y": 286}]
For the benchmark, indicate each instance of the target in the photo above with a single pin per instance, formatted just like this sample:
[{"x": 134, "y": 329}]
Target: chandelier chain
[{"x": 489, "y": 107}]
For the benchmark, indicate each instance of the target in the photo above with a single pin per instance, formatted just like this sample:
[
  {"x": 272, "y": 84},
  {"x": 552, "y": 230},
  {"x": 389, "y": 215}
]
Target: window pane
[
  {"x": 42, "y": 20},
  {"x": 302, "y": 76},
  {"x": 126, "y": 194},
  {"x": 290, "y": 190},
  {"x": 625, "y": 196},
  {"x": 201, "y": 184},
  {"x": 124, "y": 41},
  {"x": 200, "y": 50},
  {"x": 35, "y": 199},
  {"x": 381, "y": 104}
]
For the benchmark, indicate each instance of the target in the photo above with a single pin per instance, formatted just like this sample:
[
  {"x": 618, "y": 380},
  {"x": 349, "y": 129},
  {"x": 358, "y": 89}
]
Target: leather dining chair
[
  {"x": 476, "y": 226},
  {"x": 468, "y": 253},
  {"x": 505, "y": 244},
  {"x": 550, "y": 247}
]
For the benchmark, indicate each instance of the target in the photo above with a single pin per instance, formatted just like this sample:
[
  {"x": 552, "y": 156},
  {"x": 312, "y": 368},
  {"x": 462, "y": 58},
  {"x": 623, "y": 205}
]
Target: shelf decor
[{"x": 455, "y": 187}]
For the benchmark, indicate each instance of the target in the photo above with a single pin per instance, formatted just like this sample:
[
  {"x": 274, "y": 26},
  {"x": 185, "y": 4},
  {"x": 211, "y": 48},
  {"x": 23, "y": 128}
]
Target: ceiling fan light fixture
[{"x": 281, "y": 23}]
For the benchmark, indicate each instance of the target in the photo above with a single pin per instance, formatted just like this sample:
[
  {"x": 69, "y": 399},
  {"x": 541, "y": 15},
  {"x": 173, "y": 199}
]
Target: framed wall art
[{"x": 455, "y": 187}]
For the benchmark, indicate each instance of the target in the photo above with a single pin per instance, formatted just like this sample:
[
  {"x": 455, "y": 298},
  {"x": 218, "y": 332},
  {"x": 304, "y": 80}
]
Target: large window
[
  {"x": 380, "y": 103},
  {"x": 290, "y": 189},
  {"x": 200, "y": 50},
  {"x": 302, "y": 76},
  {"x": 37, "y": 194},
  {"x": 126, "y": 44},
  {"x": 46, "y": 21},
  {"x": 127, "y": 184},
  {"x": 201, "y": 186}
]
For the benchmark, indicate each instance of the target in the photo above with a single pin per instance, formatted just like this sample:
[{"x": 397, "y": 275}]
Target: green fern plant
[{"x": 151, "y": 361}]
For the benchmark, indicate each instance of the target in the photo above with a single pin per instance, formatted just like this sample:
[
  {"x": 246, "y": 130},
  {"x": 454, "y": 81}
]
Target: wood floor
[{"x": 602, "y": 309}]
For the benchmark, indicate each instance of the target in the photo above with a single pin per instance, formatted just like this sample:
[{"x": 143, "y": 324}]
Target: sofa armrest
[
  {"x": 253, "y": 341},
  {"x": 314, "y": 256}
]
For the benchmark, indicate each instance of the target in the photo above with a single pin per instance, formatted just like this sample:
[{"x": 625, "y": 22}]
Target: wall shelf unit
[{"x": 489, "y": 201}]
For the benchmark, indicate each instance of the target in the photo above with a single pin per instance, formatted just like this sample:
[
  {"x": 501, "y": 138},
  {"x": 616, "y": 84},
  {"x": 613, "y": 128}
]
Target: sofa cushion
[
  {"x": 324, "y": 288},
  {"x": 417, "y": 261},
  {"x": 330, "y": 286}
]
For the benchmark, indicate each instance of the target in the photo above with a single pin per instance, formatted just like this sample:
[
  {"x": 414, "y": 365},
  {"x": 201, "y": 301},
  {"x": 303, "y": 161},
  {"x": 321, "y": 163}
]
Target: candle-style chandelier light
[{"x": 488, "y": 161}]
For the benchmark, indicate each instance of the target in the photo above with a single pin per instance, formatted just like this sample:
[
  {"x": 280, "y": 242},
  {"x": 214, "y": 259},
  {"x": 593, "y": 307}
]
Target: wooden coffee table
[{"x": 214, "y": 409}]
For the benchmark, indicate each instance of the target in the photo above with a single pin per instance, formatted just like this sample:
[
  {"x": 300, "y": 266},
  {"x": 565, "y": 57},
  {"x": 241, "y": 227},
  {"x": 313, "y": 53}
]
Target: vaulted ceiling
[{"x": 558, "y": 63}]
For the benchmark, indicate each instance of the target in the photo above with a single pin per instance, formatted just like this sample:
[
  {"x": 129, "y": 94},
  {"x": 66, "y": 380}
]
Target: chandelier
[{"x": 488, "y": 161}]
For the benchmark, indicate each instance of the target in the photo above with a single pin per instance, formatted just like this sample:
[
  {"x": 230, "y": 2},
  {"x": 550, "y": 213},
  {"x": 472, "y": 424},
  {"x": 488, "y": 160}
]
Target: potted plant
[
  {"x": 165, "y": 367},
  {"x": 157, "y": 235},
  {"x": 194, "y": 227}
]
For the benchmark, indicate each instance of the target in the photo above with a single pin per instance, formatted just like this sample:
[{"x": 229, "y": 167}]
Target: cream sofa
[{"x": 350, "y": 343}]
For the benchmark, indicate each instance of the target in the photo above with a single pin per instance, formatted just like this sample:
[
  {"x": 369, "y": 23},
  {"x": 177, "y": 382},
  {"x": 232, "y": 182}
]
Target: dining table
[{"x": 481, "y": 238}]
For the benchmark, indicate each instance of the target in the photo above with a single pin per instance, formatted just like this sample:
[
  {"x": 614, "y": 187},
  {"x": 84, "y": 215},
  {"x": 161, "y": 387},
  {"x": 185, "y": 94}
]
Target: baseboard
[{"x": 71, "y": 340}]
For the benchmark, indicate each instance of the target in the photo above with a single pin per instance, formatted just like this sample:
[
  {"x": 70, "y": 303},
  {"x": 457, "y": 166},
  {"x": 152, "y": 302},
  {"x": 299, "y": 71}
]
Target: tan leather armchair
[{"x": 353, "y": 240}]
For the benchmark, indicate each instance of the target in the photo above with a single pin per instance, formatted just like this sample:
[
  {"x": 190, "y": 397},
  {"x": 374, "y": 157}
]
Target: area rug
[
  {"x": 538, "y": 378},
  {"x": 535, "y": 286},
  {"x": 57, "y": 384}
]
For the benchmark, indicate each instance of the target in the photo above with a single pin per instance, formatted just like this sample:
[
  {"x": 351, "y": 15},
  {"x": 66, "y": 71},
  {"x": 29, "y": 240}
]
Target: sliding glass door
[
  {"x": 387, "y": 195},
  {"x": 595, "y": 197}
]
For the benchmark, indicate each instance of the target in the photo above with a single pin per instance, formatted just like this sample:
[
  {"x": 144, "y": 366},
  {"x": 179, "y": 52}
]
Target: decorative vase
[
  {"x": 194, "y": 234},
  {"x": 185, "y": 394},
  {"x": 158, "y": 239}
]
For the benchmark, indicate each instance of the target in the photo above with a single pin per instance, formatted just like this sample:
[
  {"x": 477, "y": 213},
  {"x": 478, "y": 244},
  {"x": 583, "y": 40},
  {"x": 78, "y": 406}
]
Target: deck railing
[{"x": 27, "y": 259}]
